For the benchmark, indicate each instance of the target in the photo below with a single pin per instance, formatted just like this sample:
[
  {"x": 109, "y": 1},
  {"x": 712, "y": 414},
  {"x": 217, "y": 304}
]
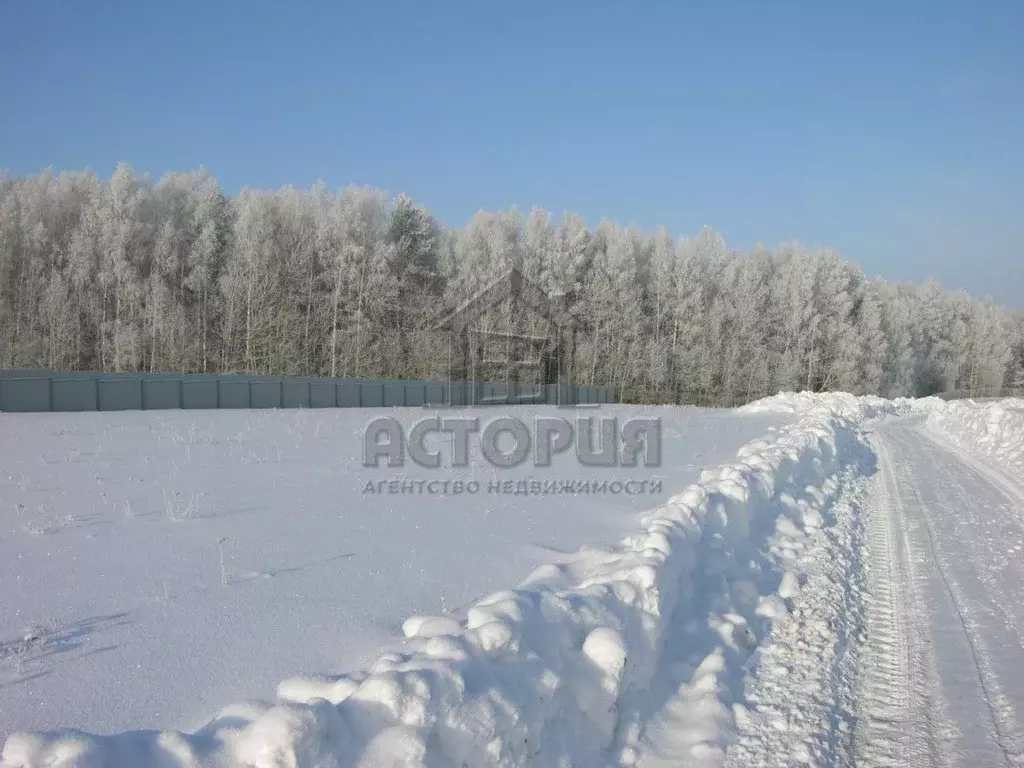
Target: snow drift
[
  {"x": 853, "y": 407},
  {"x": 558, "y": 671},
  {"x": 993, "y": 430}
]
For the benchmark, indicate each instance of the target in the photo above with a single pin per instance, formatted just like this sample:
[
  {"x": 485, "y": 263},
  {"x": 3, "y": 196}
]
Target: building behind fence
[{"x": 42, "y": 390}]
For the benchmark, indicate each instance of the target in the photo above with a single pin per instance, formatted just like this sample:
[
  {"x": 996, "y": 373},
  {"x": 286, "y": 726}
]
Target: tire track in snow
[
  {"x": 988, "y": 686},
  {"x": 981, "y": 635},
  {"x": 891, "y": 728},
  {"x": 954, "y": 520},
  {"x": 1011, "y": 529}
]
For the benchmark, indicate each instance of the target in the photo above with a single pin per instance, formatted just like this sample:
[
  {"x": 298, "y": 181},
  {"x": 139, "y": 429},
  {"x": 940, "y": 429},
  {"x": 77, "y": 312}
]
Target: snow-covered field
[
  {"x": 841, "y": 590},
  {"x": 115, "y": 528}
]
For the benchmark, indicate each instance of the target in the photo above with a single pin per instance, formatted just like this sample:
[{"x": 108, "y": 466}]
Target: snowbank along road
[{"x": 846, "y": 590}]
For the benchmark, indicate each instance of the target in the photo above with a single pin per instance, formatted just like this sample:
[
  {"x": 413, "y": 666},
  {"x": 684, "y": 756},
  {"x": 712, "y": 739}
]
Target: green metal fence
[
  {"x": 981, "y": 393},
  {"x": 42, "y": 390}
]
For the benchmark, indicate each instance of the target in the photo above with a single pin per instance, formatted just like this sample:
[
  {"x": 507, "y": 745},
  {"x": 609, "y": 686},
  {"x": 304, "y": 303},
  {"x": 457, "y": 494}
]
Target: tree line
[{"x": 174, "y": 275}]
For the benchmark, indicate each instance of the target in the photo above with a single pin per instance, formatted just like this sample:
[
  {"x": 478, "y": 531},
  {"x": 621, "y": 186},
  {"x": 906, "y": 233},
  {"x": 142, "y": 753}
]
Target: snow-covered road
[{"x": 942, "y": 674}]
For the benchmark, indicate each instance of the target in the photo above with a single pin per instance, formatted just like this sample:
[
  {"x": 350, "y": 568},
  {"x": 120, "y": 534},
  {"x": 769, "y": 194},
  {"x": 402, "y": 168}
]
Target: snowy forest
[{"x": 174, "y": 275}]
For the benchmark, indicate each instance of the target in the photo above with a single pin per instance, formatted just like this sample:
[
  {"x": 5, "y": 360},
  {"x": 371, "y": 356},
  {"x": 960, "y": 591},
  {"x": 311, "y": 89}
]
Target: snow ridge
[
  {"x": 565, "y": 669},
  {"x": 992, "y": 430},
  {"x": 852, "y": 407}
]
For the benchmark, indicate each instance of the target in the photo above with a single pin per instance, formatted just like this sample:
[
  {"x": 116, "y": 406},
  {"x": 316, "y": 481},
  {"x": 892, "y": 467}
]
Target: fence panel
[
  {"x": 434, "y": 394},
  {"x": 233, "y": 394},
  {"x": 531, "y": 393},
  {"x": 416, "y": 393},
  {"x": 394, "y": 393},
  {"x": 265, "y": 394},
  {"x": 199, "y": 394},
  {"x": 458, "y": 393},
  {"x": 323, "y": 394},
  {"x": 296, "y": 394},
  {"x": 494, "y": 393},
  {"x": 349, "y": 394},
  {"x": 75, "y": 394},
  {"x": 25, "y": 394},
  {"x": 161, "y": 394},
  {"x": 371, "y": 394},
  {"x": 119, "y": 394}
]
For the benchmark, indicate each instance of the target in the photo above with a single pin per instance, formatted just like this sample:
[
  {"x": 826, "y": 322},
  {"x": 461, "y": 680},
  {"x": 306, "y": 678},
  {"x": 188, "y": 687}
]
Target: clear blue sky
[{"x": 890, "y": 131}]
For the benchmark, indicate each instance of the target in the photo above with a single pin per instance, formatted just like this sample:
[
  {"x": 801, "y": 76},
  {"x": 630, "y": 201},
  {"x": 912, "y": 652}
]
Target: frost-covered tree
[
  {"x": 208, "y": 228},
  {"x": 612, "y": 353},
  {"x": 409, "y": 302},
  {"x": 898, "y": 375},
  {"x": 348, "y": 234},
  {"x": 660, "y": 294},
  {"x": 125, "y": 261},
  {"x": 126, "y": 275}
]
